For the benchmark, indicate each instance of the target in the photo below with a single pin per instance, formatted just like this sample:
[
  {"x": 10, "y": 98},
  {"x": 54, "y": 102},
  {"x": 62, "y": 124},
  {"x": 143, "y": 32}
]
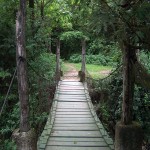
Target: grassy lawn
[{"x": 96, "y": 71}]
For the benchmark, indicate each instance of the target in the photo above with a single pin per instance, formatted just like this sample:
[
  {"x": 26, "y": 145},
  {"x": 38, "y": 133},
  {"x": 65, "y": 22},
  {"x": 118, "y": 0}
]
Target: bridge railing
[{"x": 101, "y": 84}]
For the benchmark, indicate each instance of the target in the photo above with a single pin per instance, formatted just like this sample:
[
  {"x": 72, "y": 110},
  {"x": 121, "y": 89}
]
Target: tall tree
[
  {"x": 22, "y": 68},
  {"x": 24, "y": 137}
]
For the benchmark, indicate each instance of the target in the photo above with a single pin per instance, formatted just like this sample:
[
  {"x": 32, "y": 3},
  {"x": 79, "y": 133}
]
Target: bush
[{"x": 92, "y": 59}]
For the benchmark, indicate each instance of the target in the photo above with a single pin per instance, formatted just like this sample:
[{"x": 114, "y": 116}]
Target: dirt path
[{"x": 71, "y": 74}]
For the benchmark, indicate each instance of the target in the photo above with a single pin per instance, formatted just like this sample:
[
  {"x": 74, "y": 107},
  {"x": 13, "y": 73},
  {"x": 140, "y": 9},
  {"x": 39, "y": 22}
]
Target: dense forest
[{"x": 114, "y": 31}]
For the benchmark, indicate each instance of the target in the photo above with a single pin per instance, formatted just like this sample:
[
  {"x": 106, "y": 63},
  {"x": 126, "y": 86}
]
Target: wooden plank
[
  {"x": 80, "y": 134},
  {"x": 73, "y": 110},
  {"x": 71, "y": 90},
  {"x": 75, "y": 143},
  {"x": 72, "y": 103},
  {"x": 71, "y": 83},
  {"x": 74, "y": 125},
  {"x": 71, "y": 100},
  {"x": 75, "y": 148},
  {"x": 70, "y": 87},
  {"x": 75, "y": 119},
  {"x": 73, "y": 116},
  {"x": 73, "y": 113},
  {"x": 71, "y": 96},
  {"x": 78, "y": 128},
  {"x": 63, "y": 106},
  {"x": 72, "y": 139}
]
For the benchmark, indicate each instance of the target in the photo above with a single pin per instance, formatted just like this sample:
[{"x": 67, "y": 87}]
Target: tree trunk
[
  {"x": 58, "y": 60},
  {"x": 128, "y": 83},
  {"x": 22, "y": 68},
  {"x": 24, "y": 137}
]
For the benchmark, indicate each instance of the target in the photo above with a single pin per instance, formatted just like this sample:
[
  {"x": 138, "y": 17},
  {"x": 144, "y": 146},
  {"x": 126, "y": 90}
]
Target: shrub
[{"x": 92, "y": 59}]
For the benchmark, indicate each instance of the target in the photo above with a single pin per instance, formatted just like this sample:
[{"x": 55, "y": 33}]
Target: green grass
[{"x": 94, "y": 70}]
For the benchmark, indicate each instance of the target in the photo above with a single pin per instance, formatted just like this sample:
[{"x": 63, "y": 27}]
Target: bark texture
[
  {"x": 25, "y": 140},
  {"x": 22, "y": 68}
]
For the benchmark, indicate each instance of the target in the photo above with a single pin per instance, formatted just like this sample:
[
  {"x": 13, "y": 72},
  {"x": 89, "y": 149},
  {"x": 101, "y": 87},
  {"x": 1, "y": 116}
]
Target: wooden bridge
[{"x": 73, "y": 123}]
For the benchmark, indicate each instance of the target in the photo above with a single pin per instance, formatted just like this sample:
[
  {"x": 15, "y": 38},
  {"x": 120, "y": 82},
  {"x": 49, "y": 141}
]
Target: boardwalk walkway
[{"x": 73, "y": 123}]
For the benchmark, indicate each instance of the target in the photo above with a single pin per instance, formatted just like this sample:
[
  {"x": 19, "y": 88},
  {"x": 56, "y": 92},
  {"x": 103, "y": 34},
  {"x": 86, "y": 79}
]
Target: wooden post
[
  {"x": 128, "y": 84},
  {"x": 126, "y": 129},
  {"x": 83, "y": 61},
  {"x": 57, "y": 60},
  {"x": 24, "y": 137}
]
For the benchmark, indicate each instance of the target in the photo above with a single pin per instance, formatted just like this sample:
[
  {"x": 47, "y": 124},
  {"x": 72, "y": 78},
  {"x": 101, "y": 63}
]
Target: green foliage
[
  {"x": 4, "y": 74},
  {"x": 72, "y": 35},
  {"x": 93, "y": 59},
  {"x": 41, "y": 81},
  {"x": 145, "y": 59},
  {"x": 8, "y": 145}
]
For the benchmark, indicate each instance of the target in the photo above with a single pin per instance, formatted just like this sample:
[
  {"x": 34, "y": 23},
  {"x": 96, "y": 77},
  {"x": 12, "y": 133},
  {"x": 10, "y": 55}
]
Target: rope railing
[{"x": 102, "y": 83}]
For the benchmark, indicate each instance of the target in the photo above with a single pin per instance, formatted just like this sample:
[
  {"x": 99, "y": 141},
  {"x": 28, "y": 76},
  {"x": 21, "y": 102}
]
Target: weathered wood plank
[
  {"x": 70, "y": 87},
  {"x": 75, "y": 143},
  {"x": 73, "y": 116},
  {"x": 78, "y": 128},
  {"x": 73, "y": 110},
  {"x": 74, "y": 121},
  {"x": 80, "y": 134},
  {"x": 71, "y": 96},
  {"x": 75, "y": 148},
  {"x": 72, "y": 103},
  {"x": 71, "y": 100},
  {"x": 73, "y": 113},
  {"x": 79, "y": 92},
  {"x": 74, "y": 125},
  {"x": 71, "y": 90},
  {"x": 71, "y": 83},
  {"x": 70, "y": 106},
  {"x": 78, "y": 139}
]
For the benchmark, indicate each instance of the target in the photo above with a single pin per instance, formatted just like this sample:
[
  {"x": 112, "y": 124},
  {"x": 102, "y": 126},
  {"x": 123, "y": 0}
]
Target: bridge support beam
[
  {"x": 128, "y": 137},
  {"x": 128, "y": 134}
]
